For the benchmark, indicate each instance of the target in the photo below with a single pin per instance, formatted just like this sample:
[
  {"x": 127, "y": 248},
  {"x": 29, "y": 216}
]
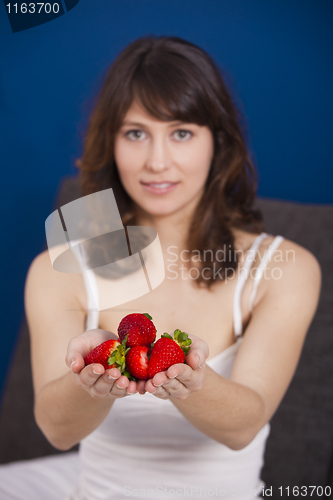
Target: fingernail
[
  {"x": 72, "y": 362},
  {"x": 112, "y": 378},
  {"x": 96, "y": 373},
  {"x": 174, "y": 376},
  {"x": 159, "y": 385},
  {"x": 198, "y": 360},
  {"x": 119, "y": 387}
]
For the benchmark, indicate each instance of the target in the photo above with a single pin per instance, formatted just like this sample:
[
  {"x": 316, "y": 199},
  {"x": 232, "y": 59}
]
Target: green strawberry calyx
[
  {"x": 148, "y": 316},
  {"x": 181, "y": 338},
  {"x": 117, "y": 356},
  {"x": 129, "y": 376}
]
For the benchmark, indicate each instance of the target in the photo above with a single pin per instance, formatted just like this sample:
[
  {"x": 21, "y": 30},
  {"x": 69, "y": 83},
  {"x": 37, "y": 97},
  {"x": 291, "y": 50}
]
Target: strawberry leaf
[
  {"x": 129, "y": 376},
  {"x": 185, "y": 350},
  {"x": 166, "y": 335},
  {"x": 117, "y": 357},
  {"x": 182, "y": 340}
]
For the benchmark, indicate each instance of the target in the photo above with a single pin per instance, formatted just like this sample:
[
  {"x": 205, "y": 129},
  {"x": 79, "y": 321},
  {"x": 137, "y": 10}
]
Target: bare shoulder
[
  {"x": 292, "y": 267},
  {"x": 43, "y": 279},
  {"x": 282, "y": 266}
]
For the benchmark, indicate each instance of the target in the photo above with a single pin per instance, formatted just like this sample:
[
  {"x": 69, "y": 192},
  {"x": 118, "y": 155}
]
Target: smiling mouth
[{"x": 159, "y": 187}]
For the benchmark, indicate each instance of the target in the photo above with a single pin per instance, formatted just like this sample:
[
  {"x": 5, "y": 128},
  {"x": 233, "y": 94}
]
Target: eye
[
  {"x": 182, "y": 135},
  {"x": 135, "y": 135}
]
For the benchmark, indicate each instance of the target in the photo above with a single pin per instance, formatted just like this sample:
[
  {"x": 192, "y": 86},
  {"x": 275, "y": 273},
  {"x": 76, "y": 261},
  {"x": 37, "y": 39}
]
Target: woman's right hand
[{"x": 93, "y": 378}]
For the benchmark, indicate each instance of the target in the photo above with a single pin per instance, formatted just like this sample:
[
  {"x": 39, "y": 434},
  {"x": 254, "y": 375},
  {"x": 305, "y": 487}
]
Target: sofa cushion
[{"x": 300, "y": 446}]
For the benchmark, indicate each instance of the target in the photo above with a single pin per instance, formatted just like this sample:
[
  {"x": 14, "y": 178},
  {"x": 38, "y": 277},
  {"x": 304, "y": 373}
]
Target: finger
[
  {"x": 112, "y": 375},
  {"x": 193, "y": 360},
  {"x": 150, "y": 387},
  {"x": 200, "y": 349},
  {"x": 176, "y": 389},
  {"x": 89, "y": 375},
  {"x": 89, "y": 339},
  {"x": 196, "y": 357},
  {"x": 191, "y": 379},
  {"x": 78, "y": 348},
  {"x": 119, "y": 387},
  {"x": 131, "y": 388},
  {"x": 159, "y": 392},
  {"x": 141, "y": 386},
  {"x": 75, "y": 361},
  {"x": 176, "y": 370},
  {"x": 80, "y": 345},
  {"x": 103, "y": 385},
  {"x": 106, "y": 384},
  {"x": 160, "y": 378}
]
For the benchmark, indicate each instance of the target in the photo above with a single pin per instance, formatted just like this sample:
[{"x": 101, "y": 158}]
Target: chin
[{"x": 158, "y": 211}]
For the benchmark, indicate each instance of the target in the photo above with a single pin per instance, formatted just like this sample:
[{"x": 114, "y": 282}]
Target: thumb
[
  {"x": 193, "y": 359},
  {"x": 75, "y": 361}
]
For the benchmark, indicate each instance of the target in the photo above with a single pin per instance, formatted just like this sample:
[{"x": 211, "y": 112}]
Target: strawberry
[
  {"x": 137, "y": 362},
  {"x": 139, "y": 328},
  {"x": 168, "y": 351},
  {"x": 110, "y": 354}
]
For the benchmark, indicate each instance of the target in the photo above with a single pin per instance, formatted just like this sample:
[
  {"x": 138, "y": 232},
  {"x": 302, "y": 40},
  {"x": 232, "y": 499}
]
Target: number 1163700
[
  {"x": 299, "y": 491},
  {"x": 33, "y": 8}
]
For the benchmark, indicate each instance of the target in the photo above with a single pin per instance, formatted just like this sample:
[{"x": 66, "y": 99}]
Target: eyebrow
[{"x": 138, "y": 124}]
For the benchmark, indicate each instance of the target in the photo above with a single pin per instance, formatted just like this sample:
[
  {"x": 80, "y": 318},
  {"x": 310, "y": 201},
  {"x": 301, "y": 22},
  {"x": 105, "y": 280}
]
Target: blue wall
[{"x": 278, "y": 55}]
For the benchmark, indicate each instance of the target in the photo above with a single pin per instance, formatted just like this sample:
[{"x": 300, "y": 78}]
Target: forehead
[{"x": 137, "y": 114}]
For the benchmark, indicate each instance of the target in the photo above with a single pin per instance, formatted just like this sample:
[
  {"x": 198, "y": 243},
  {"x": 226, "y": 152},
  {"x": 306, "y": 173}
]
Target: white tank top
[{"x": 146, "y": 448}]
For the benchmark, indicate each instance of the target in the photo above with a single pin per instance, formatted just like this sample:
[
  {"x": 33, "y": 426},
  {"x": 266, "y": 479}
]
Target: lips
[{"x": 159, "y": 187}]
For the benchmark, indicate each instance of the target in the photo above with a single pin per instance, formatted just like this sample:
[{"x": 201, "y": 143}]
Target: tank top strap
[
  {"x": 243, "y": 275},
  {"x": 92, "y": 318},
  {"x": 90, "y": 284},
  {"x": 262, "y": 266}
]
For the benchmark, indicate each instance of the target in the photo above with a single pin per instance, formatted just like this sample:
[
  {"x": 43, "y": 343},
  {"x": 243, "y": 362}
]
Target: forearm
[
  {"x": 66, "y": 413},
  {"x": 225, "y": 411}
]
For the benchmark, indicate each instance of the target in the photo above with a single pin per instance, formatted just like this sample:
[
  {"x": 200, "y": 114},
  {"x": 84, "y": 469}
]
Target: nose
[{"x": 159, "y": 158}]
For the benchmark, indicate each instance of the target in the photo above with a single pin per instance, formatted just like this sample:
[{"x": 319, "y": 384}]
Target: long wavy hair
[{"x": 174, "y": 79}]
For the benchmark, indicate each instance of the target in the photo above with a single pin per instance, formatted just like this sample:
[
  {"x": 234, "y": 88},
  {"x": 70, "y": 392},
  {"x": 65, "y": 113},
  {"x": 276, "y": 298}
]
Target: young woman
[{"x": 165, "y": 136}]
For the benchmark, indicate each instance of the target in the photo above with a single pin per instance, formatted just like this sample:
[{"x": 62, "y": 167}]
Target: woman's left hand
[{"x": 178, "y": 381}]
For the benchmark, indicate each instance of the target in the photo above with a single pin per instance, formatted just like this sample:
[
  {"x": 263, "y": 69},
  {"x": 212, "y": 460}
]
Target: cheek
[
  {"x": 126, "y": 160},
  {"x": 197, "y": 161},
  {"x": 120, "y": 156}
]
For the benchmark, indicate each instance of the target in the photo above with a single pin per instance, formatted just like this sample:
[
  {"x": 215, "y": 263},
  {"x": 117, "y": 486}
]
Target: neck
[{"x": 172, "y": 228}]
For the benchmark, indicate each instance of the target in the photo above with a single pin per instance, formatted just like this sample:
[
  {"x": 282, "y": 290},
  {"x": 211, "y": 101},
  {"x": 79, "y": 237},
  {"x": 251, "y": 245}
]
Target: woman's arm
[
  {"x": 233, "y": 411},
  {"x": 68, "y": 406}
]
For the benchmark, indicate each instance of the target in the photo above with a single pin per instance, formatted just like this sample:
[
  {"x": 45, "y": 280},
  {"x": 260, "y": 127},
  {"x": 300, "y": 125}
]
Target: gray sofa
[{"x": 300, "y": 447}]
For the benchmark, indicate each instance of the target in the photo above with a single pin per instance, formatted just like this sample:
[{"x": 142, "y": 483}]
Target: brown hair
[{"x": 176, "y": 80}]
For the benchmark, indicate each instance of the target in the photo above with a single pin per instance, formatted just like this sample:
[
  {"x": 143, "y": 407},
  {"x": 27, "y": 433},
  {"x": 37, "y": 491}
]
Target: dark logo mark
[{"x": 26, "y": 15}]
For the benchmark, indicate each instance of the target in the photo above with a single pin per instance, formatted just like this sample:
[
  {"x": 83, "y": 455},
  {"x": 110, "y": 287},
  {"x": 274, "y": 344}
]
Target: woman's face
[{"x": 163, "y": 166}]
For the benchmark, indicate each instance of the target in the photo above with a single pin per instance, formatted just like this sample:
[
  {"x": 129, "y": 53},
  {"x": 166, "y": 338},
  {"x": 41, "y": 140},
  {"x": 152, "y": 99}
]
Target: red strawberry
[
  {"x": 110, "y": 354},
  {"x": 139, "y": 328},
  {"x": 137, "y": 362},
  {"x": 168, "y": 351}
]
